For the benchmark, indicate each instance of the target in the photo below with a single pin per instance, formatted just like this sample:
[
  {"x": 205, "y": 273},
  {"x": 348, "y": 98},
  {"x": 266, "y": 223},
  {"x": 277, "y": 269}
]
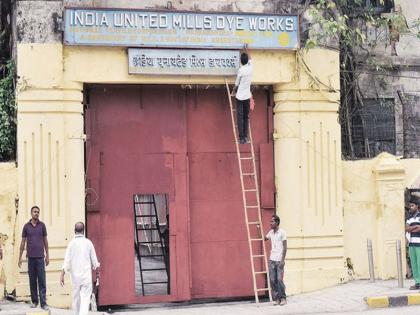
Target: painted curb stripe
[
  {"x": 398, "y": 300},
  {"x": 39, "y": 313},
  {"x": 393, "y": 301},
  {"x": 414, "y": 299},
  {"x": 378, "y": 301}
]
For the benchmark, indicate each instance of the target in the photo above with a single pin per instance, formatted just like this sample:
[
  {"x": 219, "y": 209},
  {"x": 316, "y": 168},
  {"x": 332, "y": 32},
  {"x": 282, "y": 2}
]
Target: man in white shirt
[
  {"x": 242, "y": 90},
  {"x": 278, "y": 254},
  {"x": 79, "y": 260}
]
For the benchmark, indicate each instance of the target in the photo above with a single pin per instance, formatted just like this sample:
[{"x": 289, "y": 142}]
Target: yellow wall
[
  {"x": 307, "y": 149},
  {"x": 8, "y": 194},
  {"x": 374, "y": 208},
  {"x": 412, "y": 172}
]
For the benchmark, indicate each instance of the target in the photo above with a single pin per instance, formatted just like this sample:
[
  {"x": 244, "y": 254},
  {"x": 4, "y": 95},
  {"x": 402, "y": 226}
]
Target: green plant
[
  {"x": 7, "y": 112},
  {"x": 344, "y": 24}
]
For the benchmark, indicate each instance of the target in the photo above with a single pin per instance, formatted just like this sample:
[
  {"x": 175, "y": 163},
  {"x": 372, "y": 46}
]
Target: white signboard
[{"x": 183, "y": 61}]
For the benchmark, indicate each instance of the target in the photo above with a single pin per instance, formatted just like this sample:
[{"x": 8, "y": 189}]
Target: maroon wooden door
[
  {"x": 164, "y": 139},
  {"x": 219, "y": 248}
]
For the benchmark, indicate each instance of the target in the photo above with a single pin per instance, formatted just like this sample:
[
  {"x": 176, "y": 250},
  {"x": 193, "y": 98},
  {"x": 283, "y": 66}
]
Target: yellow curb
[
  {"x": 38, "y": 313},
  {"x": 413, "y": 299},
  {"x": 378, "y": 301}
]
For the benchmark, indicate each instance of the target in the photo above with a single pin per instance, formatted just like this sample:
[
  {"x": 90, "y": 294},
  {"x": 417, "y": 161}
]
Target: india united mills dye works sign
[
  {"x": 159, "y": 29},
  {"x": 138, "y": 28}
]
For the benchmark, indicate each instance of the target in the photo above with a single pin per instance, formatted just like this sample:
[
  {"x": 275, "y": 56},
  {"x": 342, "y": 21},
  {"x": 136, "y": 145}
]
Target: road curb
[{"x": 393, "y": 301}]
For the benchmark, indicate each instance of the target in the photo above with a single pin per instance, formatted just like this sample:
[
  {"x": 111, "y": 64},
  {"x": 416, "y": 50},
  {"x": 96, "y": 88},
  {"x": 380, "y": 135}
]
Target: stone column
[
  {"x": 50, "y": 157},
  {"x": 308, "y": 173},
  {"x": 389, "y": 182}
]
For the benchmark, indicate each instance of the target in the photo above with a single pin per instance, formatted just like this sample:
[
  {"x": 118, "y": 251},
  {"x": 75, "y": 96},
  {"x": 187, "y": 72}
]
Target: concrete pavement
[{"x": 346, "y": 298}]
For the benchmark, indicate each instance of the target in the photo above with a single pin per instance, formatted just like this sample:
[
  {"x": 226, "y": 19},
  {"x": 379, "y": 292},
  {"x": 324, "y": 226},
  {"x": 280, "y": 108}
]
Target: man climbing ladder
[
  {"x": 248, "y": 179},
  {"x": 242, "y": 92}
]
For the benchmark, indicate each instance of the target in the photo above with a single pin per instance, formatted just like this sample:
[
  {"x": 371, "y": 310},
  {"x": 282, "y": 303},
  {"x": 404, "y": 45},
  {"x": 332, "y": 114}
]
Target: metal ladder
[
  {"x": 254, "y": 227},
  {"x": 139, "y": 225}
]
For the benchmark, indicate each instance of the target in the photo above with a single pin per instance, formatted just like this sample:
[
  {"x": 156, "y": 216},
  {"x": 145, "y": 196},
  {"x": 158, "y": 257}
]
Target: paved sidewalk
[{"x": 349, "y": 297}]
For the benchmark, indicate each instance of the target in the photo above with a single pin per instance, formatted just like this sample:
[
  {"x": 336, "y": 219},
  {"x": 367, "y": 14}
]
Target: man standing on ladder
[
  {"x": 242, "y": 91},
  {"x": 278, "y": 254}
]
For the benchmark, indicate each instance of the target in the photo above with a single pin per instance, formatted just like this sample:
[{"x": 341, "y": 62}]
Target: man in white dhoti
[{"x": 79, "y": 261}]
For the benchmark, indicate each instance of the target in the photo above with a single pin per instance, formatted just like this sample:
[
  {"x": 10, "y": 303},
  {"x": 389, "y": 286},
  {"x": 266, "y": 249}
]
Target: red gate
[{"x": 179, "y": 142}]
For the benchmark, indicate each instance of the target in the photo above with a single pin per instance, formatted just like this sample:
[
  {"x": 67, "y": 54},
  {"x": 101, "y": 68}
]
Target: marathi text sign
[
  {"x": 179, "y": 29},
  {"x": 182, "y": 61}
]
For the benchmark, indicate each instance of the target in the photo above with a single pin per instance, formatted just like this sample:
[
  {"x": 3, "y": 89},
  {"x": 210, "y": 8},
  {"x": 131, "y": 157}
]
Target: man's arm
[
  {"x": 1, "y": 252},
  {"x": 93, "y": 258},
  {"x": 21, "y": 249},
  {"x": 66, "y": 264},
  {"x": 62, "y": 277},
  {"x": 412, "y": 228},
  {"x": 284, "y": 252},
  {"x": 47, "y": 255},
  {"x": 237, "y": 81},
  {"x": 267, "y": 236},
  {"x": 415, "y": 229}
]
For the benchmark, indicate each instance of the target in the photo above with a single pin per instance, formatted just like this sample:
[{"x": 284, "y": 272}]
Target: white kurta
[{"x": 79, "y": 261}]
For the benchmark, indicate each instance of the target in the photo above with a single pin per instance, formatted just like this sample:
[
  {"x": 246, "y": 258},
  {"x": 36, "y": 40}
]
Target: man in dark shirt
[{"x": 35, "y": 235}]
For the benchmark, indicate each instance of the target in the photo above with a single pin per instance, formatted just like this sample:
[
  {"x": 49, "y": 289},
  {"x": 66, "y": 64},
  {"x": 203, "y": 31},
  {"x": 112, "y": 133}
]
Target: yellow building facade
[{"x": 307, "y": 150}]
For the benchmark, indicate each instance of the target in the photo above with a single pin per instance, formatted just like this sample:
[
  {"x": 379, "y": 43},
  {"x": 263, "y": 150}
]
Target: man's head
[
  {"x": 35, "y": 212},
  {"x": 244, "y": 58},
  {"x": 275, "y": 222},
  {"x": 413, "y": 206},
  {"x": 79, "y": 228}
]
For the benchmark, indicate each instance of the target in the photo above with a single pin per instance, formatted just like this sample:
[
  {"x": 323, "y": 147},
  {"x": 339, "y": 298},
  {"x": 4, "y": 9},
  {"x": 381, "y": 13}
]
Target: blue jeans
[
  {"x": 36, "y": 271},
  {"x": 276, "y": 280}
]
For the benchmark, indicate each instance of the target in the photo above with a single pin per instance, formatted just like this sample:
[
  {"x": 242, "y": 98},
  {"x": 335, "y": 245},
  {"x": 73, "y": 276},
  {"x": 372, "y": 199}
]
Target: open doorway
[{"x": 151, "y": 244}]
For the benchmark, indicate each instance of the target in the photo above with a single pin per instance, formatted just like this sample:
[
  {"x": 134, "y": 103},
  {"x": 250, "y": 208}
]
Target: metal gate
[{"x": 172, "y": 141}]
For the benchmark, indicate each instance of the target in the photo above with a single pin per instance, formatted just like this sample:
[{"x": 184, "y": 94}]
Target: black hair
[
  {"x": 79, "y": 227},
  {"x": 244, "y": 58},
  {"x": 35, "y": 207},
  {"x": 414, "y": 200},
  {"x": 276, "y": 219}
]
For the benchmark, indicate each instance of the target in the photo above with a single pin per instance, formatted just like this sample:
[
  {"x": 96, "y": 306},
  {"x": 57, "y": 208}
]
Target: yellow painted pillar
[
  {"x": 308, "y": 173},
  {"x": 389, "y": 182},
  {"x": 50, "y": 158}
]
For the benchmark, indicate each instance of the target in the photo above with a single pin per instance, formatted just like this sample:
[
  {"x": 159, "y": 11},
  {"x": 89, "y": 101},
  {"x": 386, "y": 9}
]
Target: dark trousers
[
  {"x": 276, "y": 280},
  {"x": 36, "y": 271},
  {"x": 242, "y": 110}
]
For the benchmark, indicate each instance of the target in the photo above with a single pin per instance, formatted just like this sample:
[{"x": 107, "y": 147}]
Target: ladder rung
[
  {"x": 248, "y": 174},
  {"x": 265, "y": 289},
  {"x": 143, "y": 202},
  {"x": 153, "y": 269},
  {"x": 147, "y": 229},
  {"x": 157, "y": 282},
  {"x": 258, "y": 256},
  {"x": 150, "y": 242},
  {"x": 251, "y": 207},
  {"x": 256, "y": 222},
  {"x": 256, "y": 239},
  {"x": 260, "y": 272},
  {"x": 145, "y": 256},
  {"x": 250, "y": 190},
  {"x": 145, "y": 215},
  {"x": 246, "y": 158}
]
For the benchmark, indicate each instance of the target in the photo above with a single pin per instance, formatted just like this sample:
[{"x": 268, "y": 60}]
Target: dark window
[
  {"x": 411, "y": 125},
  {"x": 380, "y": 6},
  {"x": 373, "y": 128}
]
